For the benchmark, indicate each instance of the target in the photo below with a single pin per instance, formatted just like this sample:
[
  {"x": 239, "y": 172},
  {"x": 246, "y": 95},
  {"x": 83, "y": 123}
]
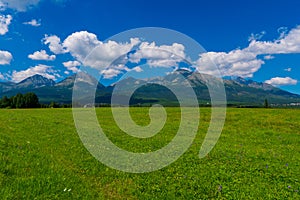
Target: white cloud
[
  {"x": 278, "y": 81},
  {"x": 288, "y": 69},
  {"x": 257, "y": 36},
  {"x": 282, "y": 31},
  {"x": 245, "y": 69},
  {"x": 268, "y": 57},
  {"x": 54, "y": 43},
  {"x": 109, "y": 52},
  {"x": 19, "y": 5},
  {"x": 1, "y": 76},
  {"x": 115, "y": 70},
  {"x": 5, "y": 21},
  {"x": 102, "y": 54},
  {"x": 43, "y": 70},
  {"x": 110, "y": 73},
  {"x": 5, "y": 57},
  {"x": 159, "y": 56},
  {"x": 41, "y": 55},
  {"x": 289, "y": 43},
  {"x": 66, "y": 72},
  {"x": 244, "y": 62},
  {"x": 72, "y": 65},
  {"x": 33, "y": 22},
  {"x": 234, "y": 63},
  {"x": 137, "y": 69},
  {"x": 80, "y": 45},
  {"x": 239, "y": 62}
]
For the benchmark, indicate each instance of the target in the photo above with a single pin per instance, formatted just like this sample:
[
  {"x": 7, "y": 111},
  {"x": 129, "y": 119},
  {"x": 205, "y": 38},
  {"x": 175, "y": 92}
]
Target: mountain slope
[
  {"x": 35, "y": 81},
  {"x": 238, "y": 91},
  {"x": 62, "y": 91}
]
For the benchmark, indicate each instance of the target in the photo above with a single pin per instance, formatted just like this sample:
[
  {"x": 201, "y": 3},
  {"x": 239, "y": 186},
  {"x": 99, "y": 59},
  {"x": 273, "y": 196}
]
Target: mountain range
[{"x": 239, "y": 91}]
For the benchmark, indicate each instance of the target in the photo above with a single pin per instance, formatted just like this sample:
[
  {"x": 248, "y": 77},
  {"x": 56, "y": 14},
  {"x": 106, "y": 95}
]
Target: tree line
[
  {"x": 31, "y": 100},
  {"x": 28, "y": 100}
]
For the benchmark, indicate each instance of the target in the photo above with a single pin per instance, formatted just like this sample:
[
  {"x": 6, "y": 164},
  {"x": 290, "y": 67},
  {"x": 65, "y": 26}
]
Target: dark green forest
[{"x": 28, "y": 100}]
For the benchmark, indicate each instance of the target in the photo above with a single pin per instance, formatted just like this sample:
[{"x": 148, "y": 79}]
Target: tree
[
  {"x": 31, "y": 100},
  {"x": 18, "y": 101},
  {"x": 266, "y": 103},
  {"x": 5, "y": 102},
  {"x": 54, "y": 105}
]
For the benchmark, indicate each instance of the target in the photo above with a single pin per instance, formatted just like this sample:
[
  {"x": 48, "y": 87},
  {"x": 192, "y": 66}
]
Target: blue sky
[{"x": 253, "y": 39}]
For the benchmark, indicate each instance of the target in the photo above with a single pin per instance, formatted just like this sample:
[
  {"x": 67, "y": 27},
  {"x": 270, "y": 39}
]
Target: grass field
[{"x": 256, "y": 157}]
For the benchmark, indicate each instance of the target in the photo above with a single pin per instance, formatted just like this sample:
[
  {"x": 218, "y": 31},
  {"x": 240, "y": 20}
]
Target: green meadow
[{"x": 256, "y": 157}]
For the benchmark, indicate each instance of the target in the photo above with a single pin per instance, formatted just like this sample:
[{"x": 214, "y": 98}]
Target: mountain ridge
[{"x": 238, "y": 91}]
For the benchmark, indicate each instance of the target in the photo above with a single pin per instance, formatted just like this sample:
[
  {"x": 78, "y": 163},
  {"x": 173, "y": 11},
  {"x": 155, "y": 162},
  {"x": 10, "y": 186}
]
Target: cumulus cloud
[
  {"x": 239, "y": 62},
  {"x": 33, "y": 22},
  {"x": 43, "y": 70},
  {"x": 279, "y": 81},
  {"x": 289, "y": 69},
  {"x": 54, "y": 43},
  {"x": 5, "y": 57},
  {"x": 80, "y": 45},
  {"x": 41, "y": 55},
  {"x": 72, "y": 65},
  {"x": 18, "y": 5},
  {"x": 114, "y": 70},
  {"x": 289, "y": 43},
  {"x": 245, "y": 62},
  {"x": 234, "y": 63},
  {"x": 110, "y": 73},
  {"x": 159, "y": 56},
  {"x": 101, "y": 54},
  {"x": 110, "y": 52},
  {"x": 5, "y": 21}
]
